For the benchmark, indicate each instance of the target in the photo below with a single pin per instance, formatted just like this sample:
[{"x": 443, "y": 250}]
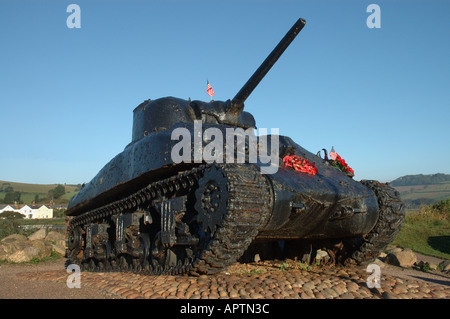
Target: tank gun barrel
[{"x": 237, "y": 104}]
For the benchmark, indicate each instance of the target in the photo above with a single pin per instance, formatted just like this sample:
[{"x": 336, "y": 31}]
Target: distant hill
[
  {"x": 29, "y": 192},
  {"x": 419, "y": 190},
  {"x": 421, "y": 179}
]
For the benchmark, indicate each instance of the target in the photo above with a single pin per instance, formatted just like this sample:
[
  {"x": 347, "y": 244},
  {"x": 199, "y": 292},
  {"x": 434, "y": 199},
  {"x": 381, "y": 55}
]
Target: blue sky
[{"x": 381, "y": 97}]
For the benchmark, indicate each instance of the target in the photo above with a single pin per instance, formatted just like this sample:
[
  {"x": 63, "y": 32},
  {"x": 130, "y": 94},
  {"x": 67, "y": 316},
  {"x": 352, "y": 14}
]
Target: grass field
[
  {"x": 435, "y": 192},
  {"x": 29, "y": 191},
  {"x": 426, "y": 232}
]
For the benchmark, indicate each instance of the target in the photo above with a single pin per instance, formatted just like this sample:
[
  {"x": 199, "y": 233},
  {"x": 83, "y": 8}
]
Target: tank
[{"x": 197, "y": 188}]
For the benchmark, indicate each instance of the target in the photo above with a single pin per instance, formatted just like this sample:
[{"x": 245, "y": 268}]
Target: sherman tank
[{"x": 196, "y": 187}]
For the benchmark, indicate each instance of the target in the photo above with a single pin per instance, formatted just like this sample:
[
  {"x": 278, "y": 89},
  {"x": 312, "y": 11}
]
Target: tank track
[
  {"x": 390, "y": 219},
  {"x": 245, "y": 201},
  {"x": 249, "y": 205}
]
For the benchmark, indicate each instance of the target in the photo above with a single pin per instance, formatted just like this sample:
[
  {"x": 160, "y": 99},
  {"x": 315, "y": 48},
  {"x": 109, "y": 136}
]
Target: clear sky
[{"x": 380, "y": 96}]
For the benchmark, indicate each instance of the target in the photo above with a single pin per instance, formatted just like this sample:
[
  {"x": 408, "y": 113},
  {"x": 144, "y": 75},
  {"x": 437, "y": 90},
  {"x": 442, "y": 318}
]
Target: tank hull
[
  {"x": 144, "y": 204},
  {"x": 326, "y": 205}
]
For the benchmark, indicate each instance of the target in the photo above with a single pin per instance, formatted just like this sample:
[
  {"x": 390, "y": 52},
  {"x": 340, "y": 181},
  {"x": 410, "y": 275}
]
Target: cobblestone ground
[{"x": 257, "y": 281}]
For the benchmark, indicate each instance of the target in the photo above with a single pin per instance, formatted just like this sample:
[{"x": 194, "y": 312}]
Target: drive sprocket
[{"x": 211, "y": 199}]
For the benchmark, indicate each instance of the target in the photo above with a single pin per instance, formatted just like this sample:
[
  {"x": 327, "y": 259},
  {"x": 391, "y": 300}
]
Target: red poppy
[
  {"x": 299, "y": 164},
  {"x": 340, "y": 164}
]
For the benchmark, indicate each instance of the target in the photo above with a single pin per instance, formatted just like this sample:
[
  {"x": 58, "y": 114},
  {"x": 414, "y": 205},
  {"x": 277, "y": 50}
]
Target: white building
[
  {"x": 43, "y": 212},
  {"x": 30, "y": 212},
  {"x": 27, "y": 211},
  {"x": 7, "y": 208}
]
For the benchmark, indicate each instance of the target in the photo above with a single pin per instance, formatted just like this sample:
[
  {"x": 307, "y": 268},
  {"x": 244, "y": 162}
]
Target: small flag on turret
[{"x": 209, "y": 89}]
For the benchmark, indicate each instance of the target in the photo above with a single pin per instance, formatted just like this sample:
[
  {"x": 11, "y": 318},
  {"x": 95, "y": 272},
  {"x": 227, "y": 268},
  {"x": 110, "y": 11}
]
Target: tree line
[{"x": 14, "y": 197}]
